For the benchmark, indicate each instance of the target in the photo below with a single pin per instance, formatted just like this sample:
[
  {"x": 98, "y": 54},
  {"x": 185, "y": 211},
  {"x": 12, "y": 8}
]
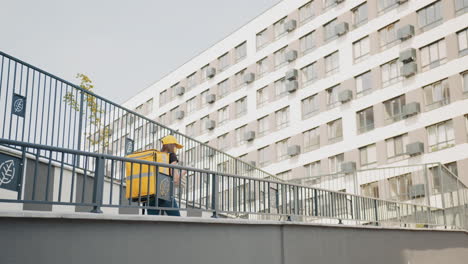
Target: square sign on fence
[
  {"x": 9, "y": 172},
  {"x": 18, "y": 106},
  {"x": 128, "y": 146}
]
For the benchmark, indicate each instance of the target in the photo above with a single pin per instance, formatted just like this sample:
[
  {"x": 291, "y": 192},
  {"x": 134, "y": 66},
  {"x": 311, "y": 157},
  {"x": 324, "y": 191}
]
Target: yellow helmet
[{"x": 170, "y": 139}]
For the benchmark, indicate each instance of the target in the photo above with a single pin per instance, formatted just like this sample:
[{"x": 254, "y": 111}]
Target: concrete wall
[{"x": 84, "y": 238}]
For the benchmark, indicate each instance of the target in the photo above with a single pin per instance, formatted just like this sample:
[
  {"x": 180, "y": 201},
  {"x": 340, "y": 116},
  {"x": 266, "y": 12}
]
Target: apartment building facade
[{"x": 310, "y": 85}]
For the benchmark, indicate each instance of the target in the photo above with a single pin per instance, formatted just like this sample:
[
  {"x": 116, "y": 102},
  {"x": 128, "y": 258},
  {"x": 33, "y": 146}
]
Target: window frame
[{"x": 367, "y": 114}]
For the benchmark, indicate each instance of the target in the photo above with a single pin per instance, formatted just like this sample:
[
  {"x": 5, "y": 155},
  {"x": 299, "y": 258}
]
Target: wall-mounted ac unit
[
  {"x": 180, "y": 90},
  {"x": 411, "y": 109},
  {"x": 180, "y": 114},
  {"x": 292, "y": 86},
  {"x": 252, "y": 166},
  {"x": 341, "y": 28},
  {"x": 290, "y": 25},
  {"x": 408, "y": 55},
  {"x": 416, "y": 191},
  {"x": 153, "y": 128},
  {"x": 348, "y": 167},
  {"x": 210, "y": 152},
  {"x": 415, "y": 148},
  {"x": 291, "y": 75},
  {"x": 291, "y": 55},
  {"x": 294, "y": 150},
  {"x": 249, "y": 77},
  {"x": 249, "y": 135},
  {"x": 210, "y": 124},
  {"x": 210, "y": 98},
  {"x": 210, "y": 72},
  {"x": 409, "y": 69},
  {"x": 345, "y": 96},
  {"x": 405, "y": 32}
]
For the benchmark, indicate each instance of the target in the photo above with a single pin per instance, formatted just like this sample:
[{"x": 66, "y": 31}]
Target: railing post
[
  {"x": 98, "y": 185},
  {"x": 214, "y": 195},
  {"x": 376, "y": 213},
  {"x": 21, "y": 173}
]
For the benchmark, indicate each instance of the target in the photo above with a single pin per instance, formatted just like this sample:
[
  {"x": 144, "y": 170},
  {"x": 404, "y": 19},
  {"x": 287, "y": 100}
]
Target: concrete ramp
[{"x": 35, "y": 237}]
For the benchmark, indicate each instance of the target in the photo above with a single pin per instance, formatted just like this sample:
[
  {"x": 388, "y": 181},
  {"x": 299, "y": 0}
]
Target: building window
[
  {"x": 335, "y": 162},
  {"x": 310, "y": 106},
  {"x": 223, "y": 115},
  {"x": 390, "y": 73},
  {"x": 285, "y": 175},
  {"x": 240, "y": 132},
  {"x": 280, "y": 58},
  {"x": 332, "y": 64},
  {"x": 328, "y": 3},
  {"x": 282, "y": 149},
  {"x": 332, "y": 96},
  {"x": 279, "y": 28},
  {"x": 262, "y": 39},
  {"x": 430, "y": 16},
  {"x": 433, "y": 55},
  {"x": 162, "y": 119},
  {"x": 360, "y": 14},
  {"x": 436, "y": 95},
  {"x": 191, "y": 105},
  {"x": 223, "y": 62},
  {"x": 306, "y": 12},
  {"x": 173, "y": 90},
  {"x": 263, "y": 126},
  {"x": 311, "y": 139},
  {"x": 396, "y": 148},
  {"x": 241, "y": 107},
  {"x": 465, "y": 82},
  {"x": 241, "y": 51},
  {"x": 190, "y": 129},
  {"x": 388, "y": 36},
  {"x": 329, "y": 30},
  {"x": 262, "y": 97},
  {"x": 203, "y": 122},
  {"x": 368, "y": 156},
  {"x": 239, "y": 78},
  {"x": 163, "y": 98},
  {"x": 282, "y": 118},
  {"x": 452, "y": 167},
  {"x": 307, "y": 42},
  {"x": 204, "y": 73},
  {"x": 262, "y": 67},
  {"x": 309, "y": 73},
  {"x": 203, "y": 96},
  {"x": 335, "y": 131},
  {"x": 400, "y": 187},
  {"x": 263, "y": 158},
  {"x": 384, "y": 5},
  {"x": 223, "y": 142},
  {"x": 280, "y": 88},
  {"x": 361, "y": 49},
  {"x": 312, "y": 169},
  {"x": 463, "y": 41},
  {"x": 441, "y": 136},
  {"x": 191, "y": 81},
  {"x": 223, "y": 88},
  {"x": 461, "y": 6},
  {"x": 394, "y": 109},
  {"x": 370, "y": 189},
  {"x": 365, "y": 120},
  {"x": 172, "y": 117},
  {"x": 363, "y": 84}
]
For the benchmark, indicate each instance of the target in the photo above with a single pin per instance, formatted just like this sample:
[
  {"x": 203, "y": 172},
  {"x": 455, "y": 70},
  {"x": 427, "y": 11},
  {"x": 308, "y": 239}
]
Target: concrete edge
[{"x": 197, "y": 220}]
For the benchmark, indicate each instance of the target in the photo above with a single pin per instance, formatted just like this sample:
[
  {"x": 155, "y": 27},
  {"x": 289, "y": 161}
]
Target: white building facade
[{"x": 310, "y": 85}]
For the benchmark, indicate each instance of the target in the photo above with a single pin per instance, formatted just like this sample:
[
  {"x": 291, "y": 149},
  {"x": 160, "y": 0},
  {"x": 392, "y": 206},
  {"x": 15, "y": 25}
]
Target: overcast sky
[{"x": 122, "y": 45}]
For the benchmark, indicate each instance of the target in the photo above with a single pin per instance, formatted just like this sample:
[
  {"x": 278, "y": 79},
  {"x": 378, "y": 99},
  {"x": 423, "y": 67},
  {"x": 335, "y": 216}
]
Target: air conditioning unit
[
  {"x": 291, "y": 75},
  {"x": 290, "y": 25},
  {"x": 179, "y": 114},
  {"x": 415, "y": 148},
  {"x": 345, "y": 96},
  {"x": 405, "y": 32},
  {"x": 153, "y": 128},
  {"x": 400, "y": 2},
  {"x": 249, "y": 135},
  {"x": 210, "y": 72},
  {"x": 210, "y": 124},
  {"x": 409, "y": 69},
  {"x": 249, "y": 77},
  {"x": 348, "y": 167},
  {"x": 210, "y": 152},
  {"x": 291, "y": 86},
  {"x": 252, "y": 166},
  {"x": 180, "y": 90},
  {"x": 411, "y": 109},
  {"x": 210, "y": 98},
  {"x": 417, "y": 191},
  {"x": 341, "y": 28},
  {"x": 294, "y": 150},
  {"x": 408, "y": 55},
  {"x": 291, "y": 55}
]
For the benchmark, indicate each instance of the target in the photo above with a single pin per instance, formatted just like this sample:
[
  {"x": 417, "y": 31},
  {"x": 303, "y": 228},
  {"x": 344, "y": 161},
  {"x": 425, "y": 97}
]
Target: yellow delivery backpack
[{"x": 140, "y": 178}]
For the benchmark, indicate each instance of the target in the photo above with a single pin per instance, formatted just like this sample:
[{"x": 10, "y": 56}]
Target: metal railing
[
  {"x": 225, "y": 195},
  {"x": 38, "y": 107}
]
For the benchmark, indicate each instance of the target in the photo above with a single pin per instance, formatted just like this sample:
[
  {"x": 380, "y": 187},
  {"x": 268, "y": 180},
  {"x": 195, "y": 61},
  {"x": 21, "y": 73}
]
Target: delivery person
[{"x": 170, "y": 146}]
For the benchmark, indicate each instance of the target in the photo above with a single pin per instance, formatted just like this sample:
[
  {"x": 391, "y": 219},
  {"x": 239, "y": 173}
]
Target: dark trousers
[{"x": 163, "y": 203}]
